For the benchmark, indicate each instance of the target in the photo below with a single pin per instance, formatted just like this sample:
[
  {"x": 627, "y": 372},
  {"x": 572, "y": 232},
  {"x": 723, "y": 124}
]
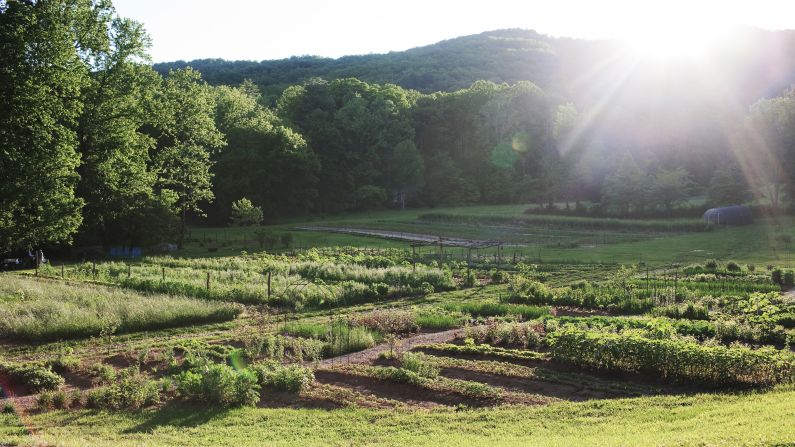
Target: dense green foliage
[{"x": 672, "y": 359}]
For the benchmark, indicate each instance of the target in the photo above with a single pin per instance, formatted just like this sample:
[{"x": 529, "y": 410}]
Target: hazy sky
[{"x": 249, "y": 29}]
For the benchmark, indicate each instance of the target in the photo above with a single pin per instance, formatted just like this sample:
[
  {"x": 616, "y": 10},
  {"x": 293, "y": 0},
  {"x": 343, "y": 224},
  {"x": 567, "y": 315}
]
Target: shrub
[
  {"x": 387, "y": 321},
  {"x": 524, "y": 290},
  {"x": 500, "y": 276},
  {"x": 420, "y": 364},
  {"x": 732, "y": 266},
  {"x": 66, "y": 360},
  {"x": 470, "y": 279},
  {"x": 508, "y": 334},
  {"x": 36, "y": 377},
  {"x": 291, "y": 378},
  {"x": 401, "y": 375},
  {"x": 219, "y": 384},
  {"x": 103, "y": 374},
  {"x": 711, "y": 265},
  {"x": 8, "y": 408},
  {"x": 59, "y": 400},
  {"x": 788, "y": 279},
  {"x": 44, "y": 401},
  {"x": 689, "y": 311},
  {"x": 131, "y": 391},
  {"x": 750, "y": 267},
  {"x": 777, "y": 276}
]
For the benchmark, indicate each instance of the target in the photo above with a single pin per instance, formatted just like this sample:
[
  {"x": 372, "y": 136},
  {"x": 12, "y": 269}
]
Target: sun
[{"x": 675, "y": 40}]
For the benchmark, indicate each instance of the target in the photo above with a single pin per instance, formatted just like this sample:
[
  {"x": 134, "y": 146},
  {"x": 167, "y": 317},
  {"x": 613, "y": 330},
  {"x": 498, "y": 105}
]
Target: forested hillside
[{"x": 126, "y": 152}]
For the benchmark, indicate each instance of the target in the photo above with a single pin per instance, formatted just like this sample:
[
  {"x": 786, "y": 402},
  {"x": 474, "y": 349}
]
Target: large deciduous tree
[
  {"x": 42, "y": 73},
  {"x": 186, "y": 138}
]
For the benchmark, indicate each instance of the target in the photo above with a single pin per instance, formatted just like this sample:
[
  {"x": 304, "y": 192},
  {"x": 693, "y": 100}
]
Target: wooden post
[
  {"x": 62, "y": 272},
  {"x": 208, "y": 280},
  {"x": 129, "y": 271},
  {"x": 163, "y": 274},
  {"x": 469, "y": 257},
  {"x": 414, "y": 258},
  {"x": 441, "y": 250},
  {"x": 94, "y": 270},
  {"x": 269, "y": 285}
]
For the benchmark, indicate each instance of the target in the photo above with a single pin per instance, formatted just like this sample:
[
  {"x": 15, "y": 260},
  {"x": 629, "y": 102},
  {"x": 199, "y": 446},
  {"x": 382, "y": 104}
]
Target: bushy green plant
[
  {"x": 219, "y": 384},
  {"x": 732, "y": 266},
  {"x": 499, "y": 276},
  {"x": 777, "y": 276},
  {"x": 788, "y": 279},
  {"x": 672, "y": 359},
  {"x": 711, "y": 265},
  {"x": 508, "y": 334},
  {"x": 420, "y": 364},
  {"x": 34, "y": 376},
  {"x": 690, "y": 311},
  {"x": 291, "y": 378},
  {"x": 131, "y": 391},
  {"x": 470, "y": 279},
  {"x": 524, "y": 290}
]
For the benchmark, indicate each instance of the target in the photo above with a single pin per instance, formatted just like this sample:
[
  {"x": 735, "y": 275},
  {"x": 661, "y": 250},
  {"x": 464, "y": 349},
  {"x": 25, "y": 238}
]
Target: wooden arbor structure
[{"x": 468, "y": 244}]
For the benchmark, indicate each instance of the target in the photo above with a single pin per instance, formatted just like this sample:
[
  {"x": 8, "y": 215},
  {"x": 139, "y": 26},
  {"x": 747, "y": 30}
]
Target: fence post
[
  {"x": 94, "y": 270},
  {"x": 129, "y": 271},
  {"x": 62, "y": 272},
  {"x": 163, "y": 274},
  {"x": 269, "y": 285},
  {"x": 208, "y": 280},
  {"x": 413, "y": 258}
]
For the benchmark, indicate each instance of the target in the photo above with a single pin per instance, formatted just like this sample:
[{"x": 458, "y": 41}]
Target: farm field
[{"x": 379, "y": 346}]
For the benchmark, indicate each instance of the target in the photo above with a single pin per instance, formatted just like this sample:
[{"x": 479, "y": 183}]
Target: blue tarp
[{"x": 124, "y": 252}]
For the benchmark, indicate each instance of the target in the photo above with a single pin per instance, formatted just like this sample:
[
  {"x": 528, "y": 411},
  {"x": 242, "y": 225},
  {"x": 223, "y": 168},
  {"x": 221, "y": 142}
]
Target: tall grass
[
  {"x": 39, "y": 310},
  {"x": 260, "y": 279},
  {"x": 499, "y": 309},
  {"x": 338, "y": 337}
]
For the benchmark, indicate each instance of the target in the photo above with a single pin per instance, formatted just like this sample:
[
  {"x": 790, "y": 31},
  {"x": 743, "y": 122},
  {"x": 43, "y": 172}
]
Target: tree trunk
[{"x": 181, "y": 230}]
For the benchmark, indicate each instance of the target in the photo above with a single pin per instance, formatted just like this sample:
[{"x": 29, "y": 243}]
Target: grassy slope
[{"x": 743, "y": 419}]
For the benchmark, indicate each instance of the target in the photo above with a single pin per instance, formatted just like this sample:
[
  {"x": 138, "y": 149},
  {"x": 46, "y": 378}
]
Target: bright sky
[{"x": 259, "y": 29}]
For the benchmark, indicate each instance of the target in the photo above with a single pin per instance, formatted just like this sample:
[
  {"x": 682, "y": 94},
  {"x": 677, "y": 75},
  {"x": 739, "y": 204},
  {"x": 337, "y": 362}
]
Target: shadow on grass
[{"x": 178, "y": 415}]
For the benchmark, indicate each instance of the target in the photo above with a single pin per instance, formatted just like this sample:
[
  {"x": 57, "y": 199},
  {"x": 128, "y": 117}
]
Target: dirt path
[
  {"x": 401, "y": 236},
  {"x": 371, "y": 354}
]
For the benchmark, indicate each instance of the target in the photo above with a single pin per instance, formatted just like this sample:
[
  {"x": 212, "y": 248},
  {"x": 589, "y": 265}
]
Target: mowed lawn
[{"x": 753, "y": 419}]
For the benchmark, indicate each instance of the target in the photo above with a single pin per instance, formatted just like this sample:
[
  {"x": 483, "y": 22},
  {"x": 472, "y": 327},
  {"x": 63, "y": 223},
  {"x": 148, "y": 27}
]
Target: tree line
[{"x": 98, "y": 148}]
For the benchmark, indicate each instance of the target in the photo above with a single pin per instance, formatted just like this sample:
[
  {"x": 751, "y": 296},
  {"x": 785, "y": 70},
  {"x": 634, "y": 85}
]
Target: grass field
[
  {"x": 759, "y": 243},
  {"x": 756, "y": 419}
]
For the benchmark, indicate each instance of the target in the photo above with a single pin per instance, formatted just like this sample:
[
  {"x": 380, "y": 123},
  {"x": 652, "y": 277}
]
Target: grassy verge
[{"x": 753, "y": 419}]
